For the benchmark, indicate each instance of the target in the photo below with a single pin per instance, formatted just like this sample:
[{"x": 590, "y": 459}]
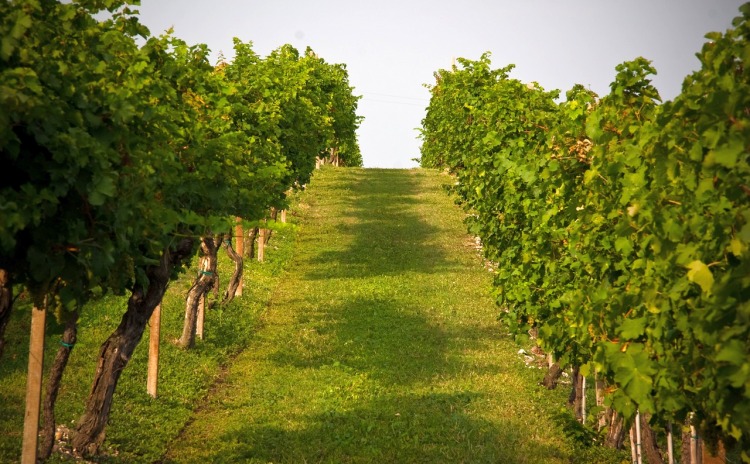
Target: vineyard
[
  {"x": 620, "y": 227},
  {"x": 124, "y": 153},
  {"x": 144, "y": 195}
]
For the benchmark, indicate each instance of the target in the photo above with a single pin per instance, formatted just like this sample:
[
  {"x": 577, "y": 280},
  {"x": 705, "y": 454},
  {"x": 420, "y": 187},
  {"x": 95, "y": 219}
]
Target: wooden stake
[
  {"x": 201, "y": 317},
  {"x": 670, "y": 445},
  {"x": 583, "y": 400},
  {"x": 153, "y": 352},
  {"x": 33, "y": 386},
  {"x": 239, "y": 233},
  {"x": 638, "y": 446},
  {"x": 261, "y": 245},
  {"x": 283, "y": 215},
  {"x": 695, "y": 444},
  {"x": 201, "y": 306}
]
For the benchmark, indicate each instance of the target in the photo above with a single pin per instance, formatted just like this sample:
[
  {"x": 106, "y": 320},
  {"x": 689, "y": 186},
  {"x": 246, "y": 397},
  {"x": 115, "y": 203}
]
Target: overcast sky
[{"x": 392, "y": 47}]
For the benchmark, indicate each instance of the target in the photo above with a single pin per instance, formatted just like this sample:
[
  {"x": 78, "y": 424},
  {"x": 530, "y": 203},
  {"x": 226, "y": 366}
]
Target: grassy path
[{"x": 380, "y": 344}]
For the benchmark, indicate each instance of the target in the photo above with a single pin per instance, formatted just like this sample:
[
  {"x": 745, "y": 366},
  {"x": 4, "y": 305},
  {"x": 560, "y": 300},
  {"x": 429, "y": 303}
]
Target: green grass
[
  {"x": 381, "y": 345},
  {"x": 141, "y": 427},
  {"x": 378, "y": 342}
]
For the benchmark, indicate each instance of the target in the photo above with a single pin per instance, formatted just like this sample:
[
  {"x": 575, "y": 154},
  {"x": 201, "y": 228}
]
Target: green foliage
[
  {"x": 115, "y": 145},
  {"x": 305, "y": 99},
  {"x": 111, "y": 150},
  {"x": 141, "y": 427},
  {"x": 619, "y": 225}
]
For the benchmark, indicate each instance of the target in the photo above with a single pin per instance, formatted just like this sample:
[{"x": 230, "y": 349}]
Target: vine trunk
[
  {"x": 203, "y": 284},
  {"x": 115, "y": 352}
]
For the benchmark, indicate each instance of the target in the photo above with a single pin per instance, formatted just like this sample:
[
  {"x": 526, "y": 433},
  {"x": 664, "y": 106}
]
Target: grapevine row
[
  {"x": 620, "y": 225},
  {"x": 121, "y": 152}
]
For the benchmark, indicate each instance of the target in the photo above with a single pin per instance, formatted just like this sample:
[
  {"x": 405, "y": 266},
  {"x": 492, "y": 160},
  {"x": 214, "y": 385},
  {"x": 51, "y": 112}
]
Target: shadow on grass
[
  {"x": 362, "y": 370},
  {"x": 392, "y": 343},
  {"x": 429, "y": 428},
  {"x": 382, "y": 340},
  {"x": 387, "y": 338},
  {"x": 391, "y": 242}
]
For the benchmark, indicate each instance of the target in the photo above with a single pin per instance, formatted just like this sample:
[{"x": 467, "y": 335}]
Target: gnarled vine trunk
[
  {"x": 649, "y": 445},
  {"x": 115, "y": 352},
  {"x": 575, "y": 400},
  {"x": 67, "y": 342},
  {"x": 6, "y": 305},
  {"x": 274, "y": 216},
  {"x": 608, "y": 418},
  {"x": 234, "y": 281},
  {"x": 616, "y": 432},
  {"x": 334, "y": 156},
  {"x": 250, "y": 243},
  {"x": 202, "y": 285},
  {"x": 552, "y": 377},
  {"x": 601, "y": 417}
]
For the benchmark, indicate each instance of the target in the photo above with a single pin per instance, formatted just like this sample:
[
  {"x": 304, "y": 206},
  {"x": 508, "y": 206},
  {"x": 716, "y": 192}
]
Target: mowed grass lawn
[{"x": 380, "y": 345}]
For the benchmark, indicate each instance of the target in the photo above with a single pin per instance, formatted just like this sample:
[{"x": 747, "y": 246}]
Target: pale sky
[{"x": 392, "y": 47}]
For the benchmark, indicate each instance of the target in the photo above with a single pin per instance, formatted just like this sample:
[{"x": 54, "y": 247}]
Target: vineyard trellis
[
  {"x": 620, "y": 227},
  {"x": 123, "y": 151}
]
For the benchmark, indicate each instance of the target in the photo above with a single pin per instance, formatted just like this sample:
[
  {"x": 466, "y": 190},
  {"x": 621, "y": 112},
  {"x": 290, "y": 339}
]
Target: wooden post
[
  {"x": 583, "y": 400},
  {"x": 34, "y": 386},
  {"x": 153, "y": 352},
  {"x": 638, "y": 441},
  {"x": 201, "y": 317},
  {"x": 239, "y": 234},
  {"x": 670, "y": 445},
  {"x": 283, "y": 216},
  {"x": 201, "y": 306},
  {"x": 695, "y": 444},
  {"x": 261, "y": 244}
]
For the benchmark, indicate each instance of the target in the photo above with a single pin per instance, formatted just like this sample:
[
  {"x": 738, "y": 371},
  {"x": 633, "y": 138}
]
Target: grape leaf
[{"x": 700, "y": 274}]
